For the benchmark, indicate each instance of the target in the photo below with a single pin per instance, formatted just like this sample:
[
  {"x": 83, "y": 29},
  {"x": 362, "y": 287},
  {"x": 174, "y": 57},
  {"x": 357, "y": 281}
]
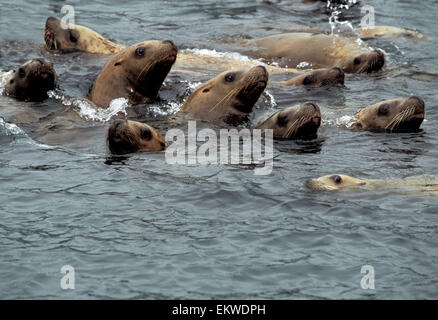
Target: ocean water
[{"x": 135, "y": 227}]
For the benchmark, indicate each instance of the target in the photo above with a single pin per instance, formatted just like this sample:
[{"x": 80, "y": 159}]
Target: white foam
[
  {"x": 170, "y": 108},
  {"x": 344, "y": 121},
  {"x": 4, "y": 77},
  {"x": 10, "y": 129},
  {"x": 87, "y": 110},
  {"x": 269, "y": 99},
  {"x": 214, "y": 53},
  {"x": 303, "y": 64}
]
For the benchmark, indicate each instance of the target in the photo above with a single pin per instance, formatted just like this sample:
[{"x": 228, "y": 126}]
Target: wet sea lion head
[
  {"x": 395, "y": 115},
  {"x": 333, "y": 182},
  {"x": 364, "y": 62},
  {"x": 300, "y": 121},
  {"x": 66, "y": 38},
  {"x": 136, "y": 73},
  {"x": 126, "y": 136},
  {"x": 229, "y": 96},
  {"x": 318, "y": 78},
  {"x": 32, "y": 80}
]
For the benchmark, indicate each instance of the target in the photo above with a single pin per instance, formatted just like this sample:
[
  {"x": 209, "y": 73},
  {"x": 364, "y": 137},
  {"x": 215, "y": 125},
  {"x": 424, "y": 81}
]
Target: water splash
[
  {"x": 336, "y": 26},
  {"x": 165, "y": 110},
  {"x": 88, "y": 110},
  {"x": 344, "y": 121},
  {"x": 269, "y": 99},
  {"x": 10, "y": 129},
  {"x": 214, "y": 53},
  {"x": 4, "y": 77}
]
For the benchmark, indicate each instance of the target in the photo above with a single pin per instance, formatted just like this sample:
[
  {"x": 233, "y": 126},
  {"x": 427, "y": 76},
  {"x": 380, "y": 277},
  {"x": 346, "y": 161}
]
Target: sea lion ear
[{"x": 118, "y": 63}]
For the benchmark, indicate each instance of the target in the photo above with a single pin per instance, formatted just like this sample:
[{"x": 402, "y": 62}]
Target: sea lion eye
[
  {"x": 21, "y": 73},
  {"x": 282, "y": 120},
  {"x": 140, "y": 51},
  {"x": 357, "y": 60},
  {"x": 146, "y": 134},
  {"x": 309, "y": 80},
  {"x": 230, "y": 77},
  {"x": 384, "y": 109},
  {"x": 73, "y": 38},
  {"x": 337, "y": 179}
]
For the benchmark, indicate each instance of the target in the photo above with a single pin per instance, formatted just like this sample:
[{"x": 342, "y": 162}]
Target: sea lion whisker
[{"x": 226, "y": 98}]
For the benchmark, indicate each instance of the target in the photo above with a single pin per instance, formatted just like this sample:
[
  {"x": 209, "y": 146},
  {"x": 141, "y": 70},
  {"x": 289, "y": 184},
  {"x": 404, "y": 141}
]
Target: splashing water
[
  {"x": 269, "y": 99},
  {"x": 168, "y": 109},
  {"x": 214, "y": 53},
  {"x": 88, "y": 111},
  {"x": 336, "y": 26},
  {"x": 4, "y": 77},
  {"x": 344, "y": 121},
  {"x": 9, "y": 129}
]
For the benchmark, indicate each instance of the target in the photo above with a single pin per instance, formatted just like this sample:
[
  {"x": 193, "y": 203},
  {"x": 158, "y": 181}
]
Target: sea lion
[
  {"x": 318, "y": 78},
  {"x": 32, "y": 80},
  {"x": 76, "y": 38},
  {"x": 301, "y": 121},
  {"x": 379, "y": 32},
  {"x": 136, "y": 73},
  {"x": 395, "y": 115},
  {"x": 333, "y": 182},
  {"x": 228, "y": 97},
  {"x": 412, "y": 184},
  {"x": 126, "y": 136},
  {"x": 309, "y": 50}
]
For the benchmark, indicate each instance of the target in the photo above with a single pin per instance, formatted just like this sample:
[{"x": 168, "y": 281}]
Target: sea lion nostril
[{"x": 41, "y": 61}]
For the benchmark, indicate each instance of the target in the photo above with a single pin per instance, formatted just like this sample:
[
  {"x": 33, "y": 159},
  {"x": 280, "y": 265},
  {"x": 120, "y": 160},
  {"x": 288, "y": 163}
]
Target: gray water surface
[{"x": 138, "y": 228}]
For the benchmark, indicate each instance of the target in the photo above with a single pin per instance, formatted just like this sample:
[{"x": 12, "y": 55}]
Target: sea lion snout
[
  {"x": 378, "y": 62},
  {"x": 419, "y": 104}
]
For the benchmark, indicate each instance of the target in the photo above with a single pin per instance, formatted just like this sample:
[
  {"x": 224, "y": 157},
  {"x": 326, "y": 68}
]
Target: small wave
[
  {"x": 88, "y": 111},
  {"x": 168, "y": 109},
  {"x": 10, "y": 129}
]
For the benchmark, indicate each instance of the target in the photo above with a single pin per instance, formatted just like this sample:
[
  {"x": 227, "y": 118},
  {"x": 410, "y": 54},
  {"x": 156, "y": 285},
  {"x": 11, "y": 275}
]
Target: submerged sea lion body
[
  {"x": 309, "y": 50},
  {"x": 228, "y": 97},
  {"x": 136, "y": 73},
  {"x": 301, "y": 121},
  {"x": 414, "y": 184},
  {"x": 32, "y": 80},
  {"x": 379, "y": 32}
]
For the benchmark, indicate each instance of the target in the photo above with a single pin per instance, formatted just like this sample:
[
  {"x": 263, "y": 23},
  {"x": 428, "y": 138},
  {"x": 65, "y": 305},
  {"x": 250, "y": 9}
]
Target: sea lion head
[
  {"x": 294, "y": 122},
  {"x": 395, "y": 115},
  {"x": 229, "y": 97},
  {"x": 126, "y": 136},
  {"x": 333, "y": 182},
  {"x": 136, "y": 73},
  {"x": 364, "y": 62},
  {"x": 32, "y": 80},
  {"x": 318, "y": 78},
  {"x": 146, "y": 65},
  {"x": 67, "y": 38}
]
